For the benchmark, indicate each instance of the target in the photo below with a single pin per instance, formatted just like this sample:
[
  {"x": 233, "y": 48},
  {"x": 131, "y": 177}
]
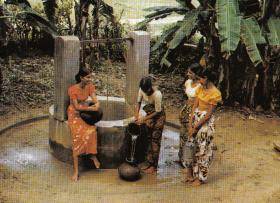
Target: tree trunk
[
  {"x": 95, "y": 15},
  {"x": 50, "y": 9},
  {"x": 84, "y": 6}
]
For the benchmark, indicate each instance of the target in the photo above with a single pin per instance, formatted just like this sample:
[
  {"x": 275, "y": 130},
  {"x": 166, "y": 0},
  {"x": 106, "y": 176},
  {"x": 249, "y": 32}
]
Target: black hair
[
  {"x": 82, "y": 73},
  {"x": 206, "y": 73},
  {"x": 146, "y": 83},
  {"x": 195, "y": 68}
]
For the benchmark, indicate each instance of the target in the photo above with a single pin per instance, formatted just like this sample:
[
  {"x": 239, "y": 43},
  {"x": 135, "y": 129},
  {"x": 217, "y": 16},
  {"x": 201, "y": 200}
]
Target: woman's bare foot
[
  {"x": 75, "y": 177},
  {"x": 184, "y": 170},
  {"x": 150, "y": 170},
  {"x": 189, "y": 180},
  {"x": 196, "y": 182},
  {"x": 95, "y": 161}
]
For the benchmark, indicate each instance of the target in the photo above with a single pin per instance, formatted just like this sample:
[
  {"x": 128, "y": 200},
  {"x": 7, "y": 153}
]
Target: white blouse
[
  {"x": 155, "y": 98},
  {"x": 190, "y": 91}
]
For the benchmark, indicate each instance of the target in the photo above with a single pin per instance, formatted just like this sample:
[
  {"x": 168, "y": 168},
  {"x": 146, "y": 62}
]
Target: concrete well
[
  {"x": 116, "y": 111},
  {"x": 111, "y": 145}
]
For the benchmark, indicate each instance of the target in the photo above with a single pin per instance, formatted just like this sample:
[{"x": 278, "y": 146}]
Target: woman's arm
[
  {"x": 138, "y": 105},
  {"x": 195, "y": 105},
  {"x": 137, "y": 109},
  {"x": 95, "y": 101},
  {"x": 208, "y": 115},
  {"x": 79, "y": 107},
  {"x": 150, "y": 116},
  {"x": 191, "y": 129}
]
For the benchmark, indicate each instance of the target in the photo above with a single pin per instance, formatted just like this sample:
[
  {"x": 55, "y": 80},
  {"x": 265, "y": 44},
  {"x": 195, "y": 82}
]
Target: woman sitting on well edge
[{"x": 84, "y": 135}]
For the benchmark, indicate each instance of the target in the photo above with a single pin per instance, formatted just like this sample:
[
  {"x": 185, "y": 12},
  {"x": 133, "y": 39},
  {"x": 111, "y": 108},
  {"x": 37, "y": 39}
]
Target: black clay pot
[
  {"x": 91, "y": 117},
  {"x": 129, "y": 172}
]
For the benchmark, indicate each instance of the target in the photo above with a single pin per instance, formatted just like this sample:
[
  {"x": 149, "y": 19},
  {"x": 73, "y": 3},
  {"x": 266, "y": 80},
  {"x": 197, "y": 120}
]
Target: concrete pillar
[
  {"x": 66, "y": 64},
  {"x": 137, "y": 63}
]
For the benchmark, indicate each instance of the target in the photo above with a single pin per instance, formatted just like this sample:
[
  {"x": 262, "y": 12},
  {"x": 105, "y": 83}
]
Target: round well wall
[{"x": 111, "y": 145}]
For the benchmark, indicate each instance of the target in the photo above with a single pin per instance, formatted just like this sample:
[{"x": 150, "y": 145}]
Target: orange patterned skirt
[{"x": 84, "y": 136}]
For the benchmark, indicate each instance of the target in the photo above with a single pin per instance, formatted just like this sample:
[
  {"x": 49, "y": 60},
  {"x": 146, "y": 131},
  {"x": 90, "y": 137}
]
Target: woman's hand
[
  {"x": 140, "y": 120},
  {"x": 93, "y": 108},
  {"x": 192, "y": 131},
  {"x": 136, "y": 116}
]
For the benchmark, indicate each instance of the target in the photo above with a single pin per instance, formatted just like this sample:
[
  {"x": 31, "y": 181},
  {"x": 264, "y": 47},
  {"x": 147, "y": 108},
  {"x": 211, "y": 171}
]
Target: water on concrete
[{"x": 32, "y": 152}]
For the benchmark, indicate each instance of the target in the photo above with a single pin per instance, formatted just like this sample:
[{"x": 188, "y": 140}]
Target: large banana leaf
[
  {"x": 5, "y": 17},
  {"x": 274, "y": 28},
  {"x": 36, "y": 19},
  {"x": 22, "y": 3},
  {"x": 251, "y": 36},
  {"x": 165, "y": 35},
  {"x": 106, "y": 10},
  {"x": 186, "y": 4},
  {"x": 33, "y": 17},
  {"x": 158, "y": 8},
  {"x": 182, "y": 3},
  {"x": 164, "y": 60},
  {"x": 160, "y": 14},
  {"x": 179, "y": 10},
  {"x": 49, "y": 8},
  {"x": 185, "y": 29},
  {"x": 228, "y": 19}
]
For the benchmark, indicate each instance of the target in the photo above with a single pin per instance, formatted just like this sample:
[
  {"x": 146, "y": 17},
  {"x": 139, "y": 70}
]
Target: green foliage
[
  {"x": 37, "y": 20},
  {"x": 185, "y": 30},
  {"x": 274, "y": 34},
  {"x": 64, "y": 23},
  {"x": 182, "y": 3},
  {"x": 165, "y": 36},
  {"x": 50, "y": 7},
  {"x": 228, "y": 19},
  {"x": 251, "y": 35},
  {"x": 22, "y": 3},
  {"x": 27, "y": 14},
  {"x": 160, "y": 12}
]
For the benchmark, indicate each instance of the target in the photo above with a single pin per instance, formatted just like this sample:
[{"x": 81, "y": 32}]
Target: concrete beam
[
  {"x": 138, "y": 54},
  {"x": 66, "y": 64}
]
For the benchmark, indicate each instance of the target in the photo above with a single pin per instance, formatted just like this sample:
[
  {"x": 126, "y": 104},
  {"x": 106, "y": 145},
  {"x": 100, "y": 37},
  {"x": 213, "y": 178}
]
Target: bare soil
[{"x": 245, "y": 168}]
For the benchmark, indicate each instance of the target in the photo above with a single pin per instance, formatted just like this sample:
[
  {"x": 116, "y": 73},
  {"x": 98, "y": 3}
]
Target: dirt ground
[{"x": 245, "y": 168}]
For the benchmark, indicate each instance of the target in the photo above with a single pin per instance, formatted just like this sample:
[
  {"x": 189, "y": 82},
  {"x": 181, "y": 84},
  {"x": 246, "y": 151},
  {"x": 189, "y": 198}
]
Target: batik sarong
[
  {"x": 155, "y": 127},
  {"x": 204, "y": 143}
]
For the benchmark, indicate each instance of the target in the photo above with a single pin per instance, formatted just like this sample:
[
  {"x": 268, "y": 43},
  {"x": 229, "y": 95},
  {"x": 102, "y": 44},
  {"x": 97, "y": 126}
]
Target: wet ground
[{"x": 245, "y": 169}]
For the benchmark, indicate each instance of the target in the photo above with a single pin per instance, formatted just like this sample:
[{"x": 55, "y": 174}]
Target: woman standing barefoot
[
  {"x": 84, "y": 136},
  {"x": 201, "y": 126},
  {"x": 186, "y": 150},
  {"x": 154, "y": 121}
]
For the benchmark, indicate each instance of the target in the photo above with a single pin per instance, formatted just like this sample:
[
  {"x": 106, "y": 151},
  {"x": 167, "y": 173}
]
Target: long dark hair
[
  {"x": 146, "y": 83},
  {"x": 195, "y": 68},
  {"x": 206, "y": 73},
  {"x": 82, "y": 73}
]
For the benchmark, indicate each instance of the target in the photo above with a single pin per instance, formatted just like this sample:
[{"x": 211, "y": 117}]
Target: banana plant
[
  {"x": 29, "y": 15},
  {"x": 232, "y": 21},
  {"x": 177, "y": 32},
  {"x": 50, "y": 7},
  {"x": 100, "y": 7}
]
